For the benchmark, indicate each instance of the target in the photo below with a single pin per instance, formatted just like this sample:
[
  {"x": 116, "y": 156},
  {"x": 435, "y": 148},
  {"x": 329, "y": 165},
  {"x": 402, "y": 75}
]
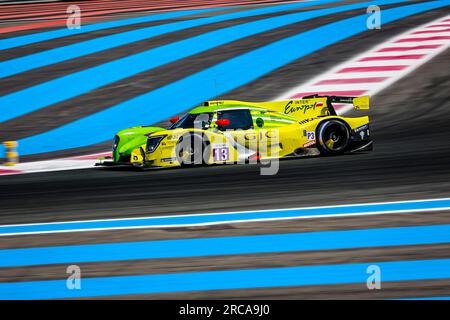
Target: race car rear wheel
[
  {"x": 333, "y": 137},
  {"x": 190, "y": 150}
]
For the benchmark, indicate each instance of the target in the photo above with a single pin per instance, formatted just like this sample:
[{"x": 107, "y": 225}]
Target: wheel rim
[
  {"x": 334, "y": 136},
  {"x": 189, "y": 153}
]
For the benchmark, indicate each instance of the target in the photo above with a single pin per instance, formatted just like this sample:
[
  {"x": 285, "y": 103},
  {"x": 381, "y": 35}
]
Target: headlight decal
[{"x": 153, "y": 143}]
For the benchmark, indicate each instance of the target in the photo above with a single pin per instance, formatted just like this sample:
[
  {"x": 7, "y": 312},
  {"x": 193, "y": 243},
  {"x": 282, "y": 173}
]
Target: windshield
[{"x": 199, "y": 120}]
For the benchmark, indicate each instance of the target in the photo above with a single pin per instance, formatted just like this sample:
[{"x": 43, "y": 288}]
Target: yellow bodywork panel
[{"x": 361, "y": 103}]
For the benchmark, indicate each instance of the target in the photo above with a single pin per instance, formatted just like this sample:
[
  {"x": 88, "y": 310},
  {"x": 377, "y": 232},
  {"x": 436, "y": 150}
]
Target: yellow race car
[{"x": 229, "y": 131}]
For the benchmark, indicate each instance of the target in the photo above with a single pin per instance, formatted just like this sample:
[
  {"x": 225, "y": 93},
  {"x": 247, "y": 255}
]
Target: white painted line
[
  {"x": 189, "y": 220},
  {"x": 233, "y": 212},
  {"x": 71, "y": 163},
  {"x": 185, "y": 225}
]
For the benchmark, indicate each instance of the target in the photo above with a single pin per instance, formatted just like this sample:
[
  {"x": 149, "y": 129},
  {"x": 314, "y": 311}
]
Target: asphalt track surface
[{"x": 410, "y": 160}]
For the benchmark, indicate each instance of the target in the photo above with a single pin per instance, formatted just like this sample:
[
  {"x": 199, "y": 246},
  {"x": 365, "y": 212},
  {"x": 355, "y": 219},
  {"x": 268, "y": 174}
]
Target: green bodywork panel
[{"x": 129, "y": 139}]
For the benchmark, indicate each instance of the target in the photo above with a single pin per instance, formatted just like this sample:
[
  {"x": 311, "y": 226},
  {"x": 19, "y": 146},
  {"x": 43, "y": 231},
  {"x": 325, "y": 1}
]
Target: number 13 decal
[{"x": 221, "y": 154}]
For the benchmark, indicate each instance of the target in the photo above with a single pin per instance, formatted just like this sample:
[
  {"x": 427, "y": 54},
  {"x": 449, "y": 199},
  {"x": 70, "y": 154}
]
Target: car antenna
[{"x": 217, "y": 91}]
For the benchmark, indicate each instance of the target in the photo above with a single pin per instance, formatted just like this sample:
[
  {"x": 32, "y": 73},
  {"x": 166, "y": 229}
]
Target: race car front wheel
[
  {"x": 191, "y": 149},
  {"x": 333, "y": 137}
]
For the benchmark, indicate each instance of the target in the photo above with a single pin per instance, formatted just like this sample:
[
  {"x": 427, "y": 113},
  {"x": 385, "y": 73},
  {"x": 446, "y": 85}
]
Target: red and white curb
[
  {"x": 81, "y": 162},
  {"x": 367, "y": 73},
  {"x": 372, "y": 71}
]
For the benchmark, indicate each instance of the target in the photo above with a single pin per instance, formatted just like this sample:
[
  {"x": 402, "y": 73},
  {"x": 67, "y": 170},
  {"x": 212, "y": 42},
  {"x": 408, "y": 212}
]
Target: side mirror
[
  {"x": 174, "y": 119},
  {"x": 223, "y": 122},
  {"x": 259, "y": 122}
]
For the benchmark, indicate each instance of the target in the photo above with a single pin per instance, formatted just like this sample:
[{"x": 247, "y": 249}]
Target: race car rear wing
[{"x": 359, "y": 103}]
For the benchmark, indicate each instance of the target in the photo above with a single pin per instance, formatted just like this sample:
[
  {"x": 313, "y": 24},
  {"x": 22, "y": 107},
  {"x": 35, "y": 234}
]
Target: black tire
[
  {"x": 192, "y": 150},
  {"x": 333, "y": 137}
]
